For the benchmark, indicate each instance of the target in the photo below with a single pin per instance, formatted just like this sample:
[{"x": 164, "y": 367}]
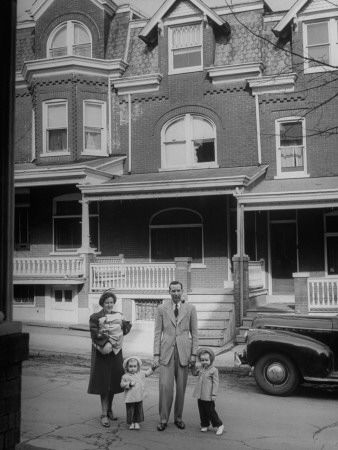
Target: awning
[{"x": 178, "y": 183}]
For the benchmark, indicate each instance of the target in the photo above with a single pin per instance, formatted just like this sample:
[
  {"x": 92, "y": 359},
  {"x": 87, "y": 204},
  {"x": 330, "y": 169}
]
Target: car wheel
[{"x": 276, "y": 374}]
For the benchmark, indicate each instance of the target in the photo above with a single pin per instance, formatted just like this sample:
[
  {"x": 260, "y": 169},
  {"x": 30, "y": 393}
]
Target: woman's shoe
[
  {"x": 204, "y": 429},
  {"x": 137, "y": 426},
  {"x": 132, "y": 426},
  {"x": 105, "y": 421},
  {"x": 220, "y": 430},
  {"x": 111, "y": 416}
]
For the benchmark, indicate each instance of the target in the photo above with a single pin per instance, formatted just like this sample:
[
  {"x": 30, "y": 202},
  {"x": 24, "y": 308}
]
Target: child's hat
[
  {"x": 206, "y": 350},
  {"x": 125, "y": 362}
]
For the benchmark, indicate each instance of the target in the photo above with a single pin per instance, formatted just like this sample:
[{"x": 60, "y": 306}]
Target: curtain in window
[
  {"x": 203, "y": 136},
  {"x": 93, "y": 124},
  {"x": 292, "y": 157}
]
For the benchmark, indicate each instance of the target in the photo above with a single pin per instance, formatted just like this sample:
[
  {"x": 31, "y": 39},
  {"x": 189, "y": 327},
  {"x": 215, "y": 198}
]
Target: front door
[{"x": 283, "y": 256}]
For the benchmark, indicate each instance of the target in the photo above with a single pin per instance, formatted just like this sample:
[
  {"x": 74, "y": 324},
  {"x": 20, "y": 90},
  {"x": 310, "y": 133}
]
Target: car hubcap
[{"x": 276, "y": 373}]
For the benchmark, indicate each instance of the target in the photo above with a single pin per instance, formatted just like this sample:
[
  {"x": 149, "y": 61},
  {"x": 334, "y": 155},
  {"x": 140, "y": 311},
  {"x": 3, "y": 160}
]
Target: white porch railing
[
  {"x": 52, "y": 267},
  {"x": 256, "y": 274},
  {"x": 322, "y": 294},
  {"x": 131, "y": 276}
]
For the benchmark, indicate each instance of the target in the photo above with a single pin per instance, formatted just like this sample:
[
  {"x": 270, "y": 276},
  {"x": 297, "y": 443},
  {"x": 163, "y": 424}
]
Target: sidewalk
[{"x": 57, "y": 339}]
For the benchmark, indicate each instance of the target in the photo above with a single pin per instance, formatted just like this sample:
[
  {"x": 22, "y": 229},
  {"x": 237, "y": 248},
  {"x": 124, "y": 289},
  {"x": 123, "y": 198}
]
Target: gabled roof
[
  {"x": 293, "y": 11},
  {"x": 40, "y": 6},
  {"x": 162, "y": 11}
]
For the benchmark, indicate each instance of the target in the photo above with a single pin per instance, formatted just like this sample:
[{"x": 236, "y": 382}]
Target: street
[{"x": 58, "y": 414}]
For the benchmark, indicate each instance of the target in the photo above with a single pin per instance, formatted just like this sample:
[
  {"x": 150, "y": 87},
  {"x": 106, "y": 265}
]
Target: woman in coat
[{"x": 107, "y": 328}]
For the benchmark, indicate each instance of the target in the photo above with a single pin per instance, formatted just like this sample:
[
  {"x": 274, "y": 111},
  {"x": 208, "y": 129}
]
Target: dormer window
[
  {"x": 185, "y": 48},
  {"x": 321, "y": 44},
  {"x": 70, "y": 38}
]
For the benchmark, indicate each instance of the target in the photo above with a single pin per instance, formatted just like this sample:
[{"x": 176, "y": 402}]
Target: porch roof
[
  {"x": 179, "y": 183},
  {"x": 96, "y": 170},
  {"x": 300, "y": 193}
]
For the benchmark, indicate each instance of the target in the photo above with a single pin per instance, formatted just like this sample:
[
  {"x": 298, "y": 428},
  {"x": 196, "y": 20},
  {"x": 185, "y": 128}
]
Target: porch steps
[{"x": 215, "y": 317}]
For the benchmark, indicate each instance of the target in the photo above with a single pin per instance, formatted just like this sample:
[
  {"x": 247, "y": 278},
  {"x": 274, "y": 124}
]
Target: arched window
[
  {"x": 69, "y": 38},
  {"x": 175, "y": 233},
  {"x": 189, "y": 141}
]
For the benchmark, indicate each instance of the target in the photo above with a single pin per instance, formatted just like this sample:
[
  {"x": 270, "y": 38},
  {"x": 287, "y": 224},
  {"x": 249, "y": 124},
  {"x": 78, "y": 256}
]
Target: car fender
[{"x": 312, "y": 358}]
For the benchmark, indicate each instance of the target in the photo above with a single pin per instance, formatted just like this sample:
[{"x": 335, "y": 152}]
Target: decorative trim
[
  {"x": 44, "y": 68},
  {"x": 273, "y": 84},
  {"x": 235, "y": 72},
  {"x": 159, "y": 15},
  {"x": 138, "y": 84},
  {"x": 289, "y": 16},
  {"x": 226, "y": 10}
]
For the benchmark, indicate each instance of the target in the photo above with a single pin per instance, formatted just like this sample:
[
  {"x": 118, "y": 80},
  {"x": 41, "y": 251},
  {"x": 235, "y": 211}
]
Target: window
[
  {"x": 67, "y": 220},
  {"x": 94, "y": 132},
  {"x": 185, "y": 48},
  {"x": 291, "y": 151},
  {"x": 146, "y": 309},
  {"x": 69, "y": 38},
  {"x": 55, "y": 127},
  {"x": 63, "y": 295},
  {"x": 21, "y": 227},
  {"x": 188, "y": 141},
  {"x": 23, "y": 295},
  {"x": 176, "y": 233},
  {"x": 331, "y": 243},
  {"x": 321, "y": 44}
]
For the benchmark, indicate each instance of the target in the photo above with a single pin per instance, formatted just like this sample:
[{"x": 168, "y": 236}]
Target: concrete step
[
  {"x": 212, "y": 324},
  {"x": 212, "y": 307},
  {"x": 211, "y": 334},
  {"x": 210, "y": 342},
  {"x": 213, "y": 315},
  {"x": 240, "y": 339},
  {"x": 247, "y": 321}
]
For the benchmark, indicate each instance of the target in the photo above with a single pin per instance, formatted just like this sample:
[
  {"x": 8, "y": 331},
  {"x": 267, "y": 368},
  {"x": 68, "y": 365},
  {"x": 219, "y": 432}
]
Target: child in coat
[
  {"x": 206, "y": 390},
  {"x": 133, "y": 383}
]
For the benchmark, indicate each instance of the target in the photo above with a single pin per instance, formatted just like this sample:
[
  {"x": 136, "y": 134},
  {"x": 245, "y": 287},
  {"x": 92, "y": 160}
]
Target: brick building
[{"x": 198, "y": 143}]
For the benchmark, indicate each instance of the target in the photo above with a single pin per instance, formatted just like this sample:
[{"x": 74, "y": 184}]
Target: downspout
[
  {"x": 129, "y": 134},
  {"x": 241, "y": 262},
  {"x": 109, "y": 117},
  {"x": 258, "y": 131}
]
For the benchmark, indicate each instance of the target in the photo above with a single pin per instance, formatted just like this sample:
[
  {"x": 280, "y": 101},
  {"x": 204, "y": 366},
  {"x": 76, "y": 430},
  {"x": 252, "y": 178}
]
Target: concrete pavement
[{"x": 50, "y": 338}]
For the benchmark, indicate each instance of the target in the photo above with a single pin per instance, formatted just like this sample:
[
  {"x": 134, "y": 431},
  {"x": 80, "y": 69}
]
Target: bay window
[{"x": 55, "y": 127}]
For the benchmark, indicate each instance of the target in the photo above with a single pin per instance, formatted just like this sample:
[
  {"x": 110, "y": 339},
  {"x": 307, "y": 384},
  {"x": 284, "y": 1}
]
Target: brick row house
[{"x": 199, "y": 143}]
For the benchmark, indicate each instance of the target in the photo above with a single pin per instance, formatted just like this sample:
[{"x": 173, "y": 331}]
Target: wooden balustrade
[
  {"x": 57, "y": 266},
  {"x": 322, "y": 294},
  {"x": 131, "y": 276}
]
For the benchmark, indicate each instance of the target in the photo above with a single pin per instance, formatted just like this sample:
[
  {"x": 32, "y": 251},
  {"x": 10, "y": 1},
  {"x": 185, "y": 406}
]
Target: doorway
[{"x": 283, "y": 245}]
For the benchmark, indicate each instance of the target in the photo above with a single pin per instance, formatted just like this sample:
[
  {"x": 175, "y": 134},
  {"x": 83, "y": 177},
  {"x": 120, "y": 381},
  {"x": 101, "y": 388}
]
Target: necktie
[{"x": 176, "y": 310}]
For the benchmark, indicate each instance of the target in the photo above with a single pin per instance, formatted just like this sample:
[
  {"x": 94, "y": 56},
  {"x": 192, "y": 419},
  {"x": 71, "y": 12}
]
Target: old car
[{"x": 285, "y": 350}]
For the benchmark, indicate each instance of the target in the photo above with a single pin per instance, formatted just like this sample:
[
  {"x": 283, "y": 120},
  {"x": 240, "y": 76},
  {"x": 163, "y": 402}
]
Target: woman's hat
[
  {"x": 125, "y": 362},
  {"x": 206, "y": 350}
]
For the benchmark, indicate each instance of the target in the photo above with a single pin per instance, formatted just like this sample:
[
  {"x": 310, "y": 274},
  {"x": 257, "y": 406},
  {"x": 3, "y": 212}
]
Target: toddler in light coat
[
  {"x": 206, "y": 390},
  {"x": 133, "y": 383}
]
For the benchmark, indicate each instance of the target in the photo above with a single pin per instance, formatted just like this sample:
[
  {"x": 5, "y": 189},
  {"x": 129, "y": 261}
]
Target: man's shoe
[
  {"x": 161, "y": 426},
  {"x": 180, "y": 424},
  {"x": 204, "y": 429}
]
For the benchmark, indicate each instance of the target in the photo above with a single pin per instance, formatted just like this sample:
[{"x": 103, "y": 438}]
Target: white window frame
[
  {"x": 296, "y": 173},
  {"x": 171, "y": 29},
  {"x": 45, "y": 128},
  {"x": 333, "y": 44},
  {"x": 71, "y": 198},
  {"x": 104, "y": 150},
  {"x": 328, "y": 235},
  {"x": 195, "y": 265},
  {"x": 191, "y": 164},
  {"x": 70, "y": 39}
]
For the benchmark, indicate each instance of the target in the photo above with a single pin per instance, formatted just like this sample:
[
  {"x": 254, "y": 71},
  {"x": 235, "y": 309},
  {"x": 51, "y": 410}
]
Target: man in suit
[{"x": 175, "y": 346}]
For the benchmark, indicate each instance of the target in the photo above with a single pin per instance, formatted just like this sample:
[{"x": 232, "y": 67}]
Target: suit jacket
[{"x": 182, "y": 332}]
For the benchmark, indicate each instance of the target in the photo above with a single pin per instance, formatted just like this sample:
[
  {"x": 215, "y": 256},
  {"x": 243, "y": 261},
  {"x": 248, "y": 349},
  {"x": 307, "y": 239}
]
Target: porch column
[
  {"x": 85, "y": 240},
  {"x": 240, "y": 265},
  {"x": 183, "y": 273},
  {"x": 301, "y": 291}
]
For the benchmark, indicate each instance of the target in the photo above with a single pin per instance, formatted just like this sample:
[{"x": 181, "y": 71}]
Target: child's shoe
[
  {"x": 132, "y": 426},
  {"x": 204, "y": 429},
  {"x": 137, "y": 426},
  {"x": 220, "y": 430}
]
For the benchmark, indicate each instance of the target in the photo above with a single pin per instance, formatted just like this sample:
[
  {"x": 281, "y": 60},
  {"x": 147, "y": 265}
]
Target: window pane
[
  {"x": 202, "y": 129},
  {"x": 57, "y": 140},
  {"x": 58, "y": 296},
  {"x": 291, "y": 133},
  {"x": 23, "y": 295},
  {"x": 292, "y": 158},
  {"x": 59, "y": 43},
  {"x": 332, "y": 255},
  {"x": 80, "y": 34},
  {"x": 204, "y": 151},
  {"x": 68, "y": 208},
  {"x": 67, "y": 233},
  {"x": 92, "y": 140},
  {"x": 187, "y": 58},
  {"x": 168, "y": 243},
  {"x": 320, "y": 53},
  {"x": 186, "y": 36},
  {"x": 176, "y": 131},
  {"x": 332, "y": 224},
  {"x": 21, "y": 227},
  {"x": 175, "y": 155},
  {"x": 318, "y": 33},
  {"x": 68, "y": 296},
  {"x": 57, "y": 116},
  {"x": 93, "y": 115}
]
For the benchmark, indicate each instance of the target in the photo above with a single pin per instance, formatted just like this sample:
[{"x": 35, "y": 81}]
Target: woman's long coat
[{"x": 106, "y": 370}]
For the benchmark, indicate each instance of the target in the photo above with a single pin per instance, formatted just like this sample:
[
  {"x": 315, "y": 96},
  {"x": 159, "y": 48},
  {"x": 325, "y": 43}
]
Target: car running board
[{"x": 333, "y": 378}]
